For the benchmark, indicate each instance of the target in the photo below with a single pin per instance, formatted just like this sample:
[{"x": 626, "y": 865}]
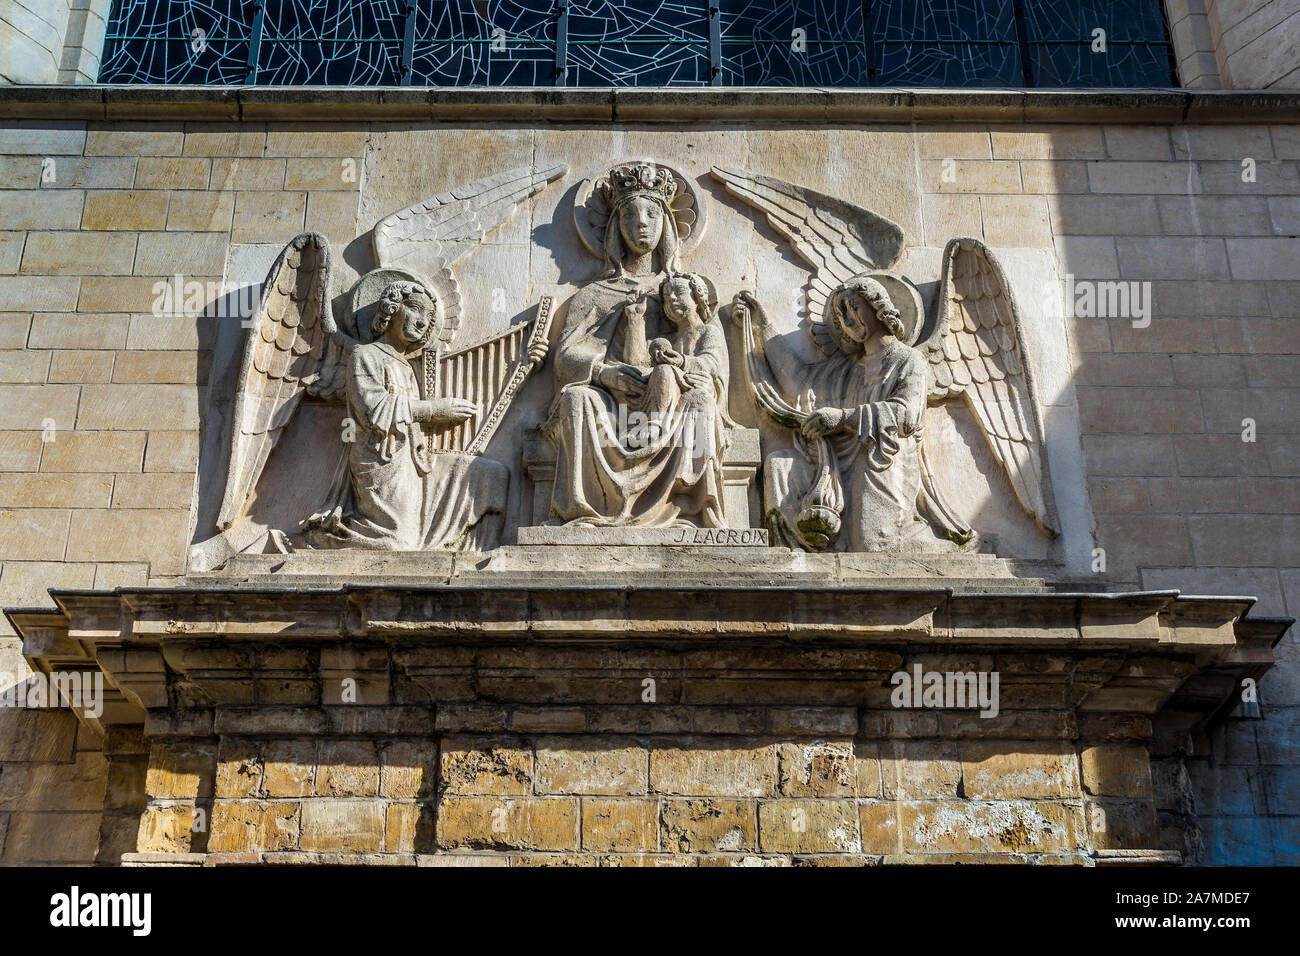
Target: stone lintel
[{"x": 600, "y": 104}]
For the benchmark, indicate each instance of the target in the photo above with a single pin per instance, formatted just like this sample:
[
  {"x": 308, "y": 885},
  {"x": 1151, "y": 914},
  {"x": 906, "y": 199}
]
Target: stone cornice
[
  {"x": 737, "y": 105},
  {"x": 1148, "y": 653},
  {"x": 664, "y": 613}
]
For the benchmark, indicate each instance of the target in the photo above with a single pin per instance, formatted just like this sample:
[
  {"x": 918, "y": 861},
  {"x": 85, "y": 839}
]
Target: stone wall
[
  {"x": 102, "y": 403},
  {"x": 1255, "y": 42}
]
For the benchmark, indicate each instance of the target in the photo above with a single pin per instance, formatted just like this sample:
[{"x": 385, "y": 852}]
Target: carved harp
[{"x": 489, "y": 374}]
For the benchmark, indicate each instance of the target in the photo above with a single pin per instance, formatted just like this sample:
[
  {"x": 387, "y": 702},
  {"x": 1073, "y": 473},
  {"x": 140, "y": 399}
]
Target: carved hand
[
  {"x": 670, "y": 356},
  {"x": 625, "y": 379},
  {"x": 745, "y": 304},
  {"x": 443, "y": 410},
  {"x": 537, "y": 352},
  {"x": 635, "y": 309},
  {"x": 823, "y": 421}
]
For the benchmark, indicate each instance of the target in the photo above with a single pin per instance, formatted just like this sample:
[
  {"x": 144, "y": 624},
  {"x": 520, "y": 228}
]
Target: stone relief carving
[
  {"x": 408, "y": 474},
  {"x": 859, "y": 458},
  {"x": 639, "y": 419}
]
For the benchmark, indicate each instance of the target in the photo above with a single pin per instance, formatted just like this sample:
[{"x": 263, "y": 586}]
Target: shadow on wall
[
  {"x": 53, "y": 782},
  {"x": 1180, "y": 499}
]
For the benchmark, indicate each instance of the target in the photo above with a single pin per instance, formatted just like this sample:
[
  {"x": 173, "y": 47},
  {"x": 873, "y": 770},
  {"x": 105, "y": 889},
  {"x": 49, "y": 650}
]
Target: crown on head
[{"x": 638, "y": 179}]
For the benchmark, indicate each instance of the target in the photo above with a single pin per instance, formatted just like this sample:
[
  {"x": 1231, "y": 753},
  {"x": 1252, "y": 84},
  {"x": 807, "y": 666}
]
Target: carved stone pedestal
[{"x": 491, "y": 725}]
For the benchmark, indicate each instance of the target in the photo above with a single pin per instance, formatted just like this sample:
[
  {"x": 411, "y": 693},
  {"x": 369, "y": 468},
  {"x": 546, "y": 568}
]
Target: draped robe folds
[
  {"x": 608, "y": 473},
  {"x": 877, "y": 449},
  {"x": 392, "y": 492}
]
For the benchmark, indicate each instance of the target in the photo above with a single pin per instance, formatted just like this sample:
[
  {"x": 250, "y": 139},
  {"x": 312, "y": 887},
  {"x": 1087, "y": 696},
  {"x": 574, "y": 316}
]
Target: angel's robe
[
  {"x": 397, "y": 494},
  {"x": 877, "y": 449},
  {"x": 609, "y": 470}
]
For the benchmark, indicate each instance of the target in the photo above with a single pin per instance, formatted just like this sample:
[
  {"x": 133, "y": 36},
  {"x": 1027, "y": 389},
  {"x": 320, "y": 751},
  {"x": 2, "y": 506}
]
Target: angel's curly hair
[
  {"x": 700, "y": 293},
  {"x": 875, "y": 295},
  {"x": 395, "y": 296}
]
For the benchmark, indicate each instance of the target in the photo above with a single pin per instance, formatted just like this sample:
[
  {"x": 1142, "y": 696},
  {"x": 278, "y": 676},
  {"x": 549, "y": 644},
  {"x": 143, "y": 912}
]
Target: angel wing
[
  {"x": 976, "y": 350},
  {"x": 430, "y": 236},
  {"x": 293, "y": 348},
  {"x": 838, "y": 239}
]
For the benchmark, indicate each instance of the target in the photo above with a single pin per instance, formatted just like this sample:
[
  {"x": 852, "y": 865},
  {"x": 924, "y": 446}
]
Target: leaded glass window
[{"x": 825, "y": 43}]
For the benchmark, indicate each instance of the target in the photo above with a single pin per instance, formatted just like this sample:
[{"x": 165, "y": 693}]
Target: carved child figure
[{"x": 685, "y": 360}]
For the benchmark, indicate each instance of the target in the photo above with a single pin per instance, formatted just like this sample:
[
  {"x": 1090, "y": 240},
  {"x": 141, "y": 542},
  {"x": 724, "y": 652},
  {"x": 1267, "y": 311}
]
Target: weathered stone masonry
[{"x": 1140, "y": 187}]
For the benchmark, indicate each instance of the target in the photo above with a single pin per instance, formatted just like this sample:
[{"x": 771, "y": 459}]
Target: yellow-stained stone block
[
  {"x": 268, "y": 216},
  {"x": 155, "y": 536},
  {"x": 619, "y": 825},
  {"x": 304, "y": 139},
  {"x": 288, "y": 768},
  {"x": 714, "y": 767},
  {"x": 348, "y": 769},
  {"x": 589, "y": 765},
  {"x": 404, "y": 826},
  {"x": 166, "y": 829},
  {"x": 33, "y": 534},
  {"x": 1116, "y": 770},
  {"x": 224, "y": 139},
  {"x": 153, "y": 407},
  {"x": 240, "y": 825},
  {"x": 409, "y": 770},
  {"x": 343, "y": 826},
  {"x": 187, "y": 253},
  {"x": 809, "y": 826},
  {"x": 178, "y": 771},
  {"x": 1027, "y": 769},
  {"x": 137, "y": 139},
  {"x": 817, "y": 769},
  {"x": 242, "y": 174},
  {"x": 522, "y": 823},
  {"x": 323, "y": 174},
  {"x": 708, "y": 824},
  {"x": 481, "y": 766},
  {"x": 158, "y": 368},
  {"x": 959, "y": 826},
  {"x": 157, "y": 490}
]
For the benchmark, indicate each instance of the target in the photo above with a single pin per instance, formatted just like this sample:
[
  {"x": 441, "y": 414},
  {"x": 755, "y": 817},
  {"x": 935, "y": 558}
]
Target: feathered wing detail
[
  {"x": 430, "y": 236},
  {"x": 976, "y": 350},
  {"x": 293, "y": 348},
  {"x": 838, "y": 239}
]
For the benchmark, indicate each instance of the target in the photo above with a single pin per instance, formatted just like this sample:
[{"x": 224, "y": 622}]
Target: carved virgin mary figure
[{"x": 668, "y": 471}]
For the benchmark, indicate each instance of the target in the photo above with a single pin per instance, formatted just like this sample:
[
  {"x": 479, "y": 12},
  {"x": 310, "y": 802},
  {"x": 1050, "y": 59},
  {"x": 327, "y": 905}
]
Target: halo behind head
[
  {"x": 904, "y": 297},
  {"x": 592, "y": 202},
  {"x": 369, "y": 292}
]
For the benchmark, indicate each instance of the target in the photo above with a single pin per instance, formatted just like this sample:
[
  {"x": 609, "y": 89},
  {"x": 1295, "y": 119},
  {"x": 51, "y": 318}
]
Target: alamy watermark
[
  {"x": 1108, "y": 299},
  {"x": 946, "y": 690},
  {"x": 80, "y": 690},
  {"x": 77, "y": 909},
  {"x": 178, "y": 297}
]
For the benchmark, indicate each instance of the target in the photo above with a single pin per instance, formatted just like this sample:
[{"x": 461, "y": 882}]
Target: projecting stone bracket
[{"x": 460, "y": 725}]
